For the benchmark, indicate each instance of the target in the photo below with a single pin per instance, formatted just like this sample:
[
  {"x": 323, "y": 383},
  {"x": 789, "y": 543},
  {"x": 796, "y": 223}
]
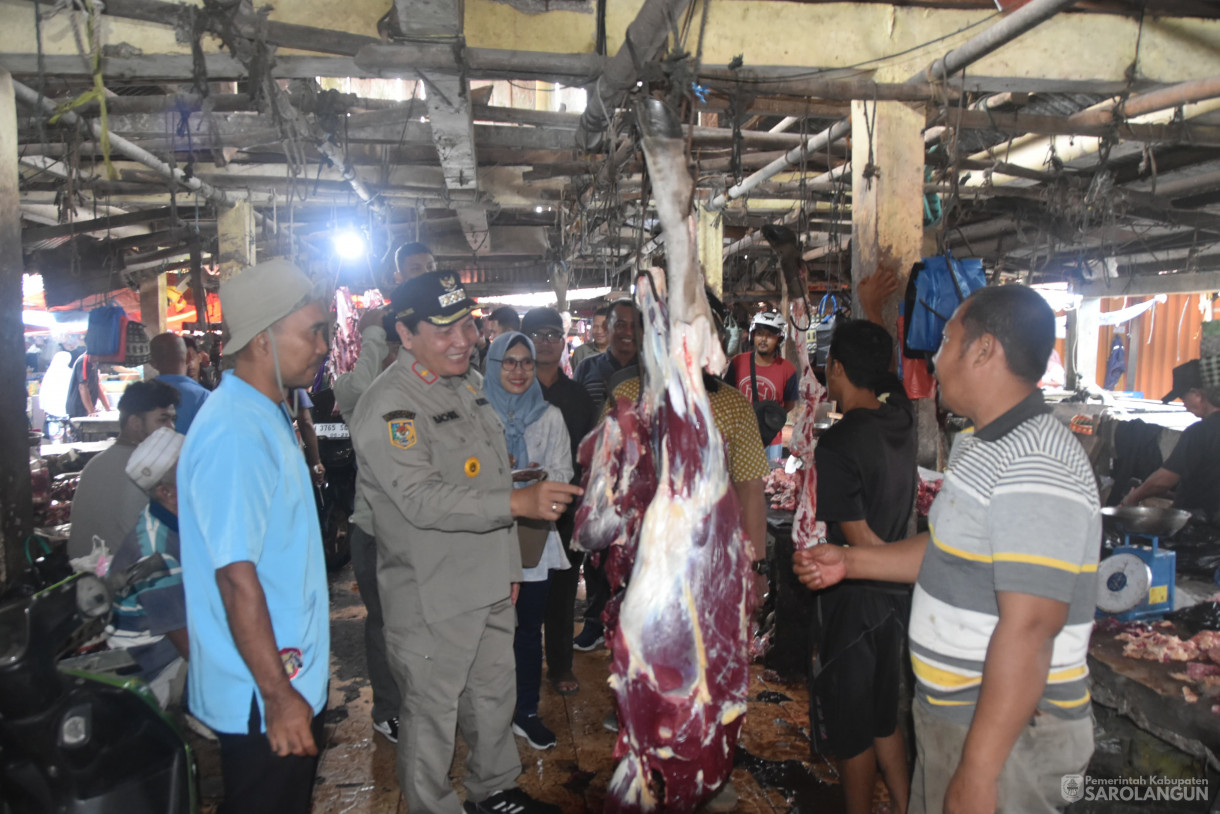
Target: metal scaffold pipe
[
  {"x": 32, "y": 98},
  {"x": 1151, "y": 101}
]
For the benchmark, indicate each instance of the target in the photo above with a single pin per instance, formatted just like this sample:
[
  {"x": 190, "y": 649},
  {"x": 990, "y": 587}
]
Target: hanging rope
[
  {"x": 98, "y": 92},
  {"x": 871, "y": 170}
]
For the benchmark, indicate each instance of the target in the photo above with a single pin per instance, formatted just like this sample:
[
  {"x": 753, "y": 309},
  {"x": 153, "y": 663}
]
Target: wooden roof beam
[{"x": 82, "y": 227}]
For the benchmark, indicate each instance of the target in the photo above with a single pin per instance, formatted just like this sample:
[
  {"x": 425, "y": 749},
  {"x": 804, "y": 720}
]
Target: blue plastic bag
[
  {"x": 106, "y": 331},
  {"x": 938, "y": 285}
]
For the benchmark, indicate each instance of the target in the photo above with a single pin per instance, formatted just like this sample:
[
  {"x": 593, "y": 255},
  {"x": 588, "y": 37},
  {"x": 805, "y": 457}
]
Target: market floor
[{"x": 356, "y": 772}]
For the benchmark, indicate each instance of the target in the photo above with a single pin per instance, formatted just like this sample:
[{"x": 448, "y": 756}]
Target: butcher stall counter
[{"x": 1175, "y": 694}]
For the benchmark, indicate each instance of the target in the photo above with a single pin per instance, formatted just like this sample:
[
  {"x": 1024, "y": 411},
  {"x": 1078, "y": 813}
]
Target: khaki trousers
[
  {"x": 1031, "y": 781},
  {"x": 456, "y": 674}
]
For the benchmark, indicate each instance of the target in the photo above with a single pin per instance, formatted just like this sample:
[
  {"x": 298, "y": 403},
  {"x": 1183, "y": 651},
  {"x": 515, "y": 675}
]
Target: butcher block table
[
  {"x": 1146, "y": 692},
  {"x": 97, "y": 427}
]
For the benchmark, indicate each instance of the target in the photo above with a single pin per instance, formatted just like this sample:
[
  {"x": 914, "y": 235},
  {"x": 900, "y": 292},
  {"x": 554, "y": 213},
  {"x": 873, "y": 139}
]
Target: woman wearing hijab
[{"x": 538, "y": 445}]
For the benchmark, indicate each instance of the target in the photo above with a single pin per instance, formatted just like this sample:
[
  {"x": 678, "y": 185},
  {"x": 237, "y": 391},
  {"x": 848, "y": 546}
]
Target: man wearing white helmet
[{"x": 763, "y": 374}]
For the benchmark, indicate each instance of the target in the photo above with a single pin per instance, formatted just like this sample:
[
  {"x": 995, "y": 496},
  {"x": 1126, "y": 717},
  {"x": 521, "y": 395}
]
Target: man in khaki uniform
[{"x": 434, "y": 466}]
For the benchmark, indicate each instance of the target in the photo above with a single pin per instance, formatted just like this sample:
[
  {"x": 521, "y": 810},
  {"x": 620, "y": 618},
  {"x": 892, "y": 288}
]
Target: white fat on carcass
[
  {"x": 731, "y": 713},
  {"x": 636, "y": 793},
  {"x": 660, "y": 572},
  {"x": 679, "y": 342}
]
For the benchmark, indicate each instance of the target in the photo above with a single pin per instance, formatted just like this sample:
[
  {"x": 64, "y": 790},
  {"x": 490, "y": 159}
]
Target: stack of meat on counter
[{"x": 1159, "y": 642}]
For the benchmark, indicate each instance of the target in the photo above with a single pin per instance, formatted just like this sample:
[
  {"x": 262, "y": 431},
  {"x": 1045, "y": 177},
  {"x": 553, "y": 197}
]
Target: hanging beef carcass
[
  {"x": 620, "y": 480},
  {"x": 680, "y": 668},
  {"x": 807, "y": 530}
]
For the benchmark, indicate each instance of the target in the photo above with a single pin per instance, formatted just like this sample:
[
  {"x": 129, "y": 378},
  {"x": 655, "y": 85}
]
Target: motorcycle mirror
[{"x": 146, "y": 568}]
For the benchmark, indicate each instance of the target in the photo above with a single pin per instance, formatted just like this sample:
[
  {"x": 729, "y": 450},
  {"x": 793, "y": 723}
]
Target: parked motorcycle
[
  {"x": 76, "y": 742},
  {"x": 337, "y": 496}
]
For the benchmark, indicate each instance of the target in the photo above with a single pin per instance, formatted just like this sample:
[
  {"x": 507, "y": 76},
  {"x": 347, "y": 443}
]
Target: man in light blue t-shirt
[
  {"x": 252, "y": 563},
  {"x": 169, "y": 357}
]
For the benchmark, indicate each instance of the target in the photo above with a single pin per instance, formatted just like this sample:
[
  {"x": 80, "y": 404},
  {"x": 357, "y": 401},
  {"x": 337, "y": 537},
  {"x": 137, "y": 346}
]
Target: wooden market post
[
  {"x": 235, "y": 228},
  {"x": 152, "y": 311},
  {"x": 887, "y": 160},
  {"x": 16, "y": 509}
]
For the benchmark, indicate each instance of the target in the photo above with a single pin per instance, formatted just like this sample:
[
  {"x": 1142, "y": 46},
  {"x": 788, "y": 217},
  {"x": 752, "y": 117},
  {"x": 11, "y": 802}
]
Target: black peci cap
[{"x": 436, "y": 297}]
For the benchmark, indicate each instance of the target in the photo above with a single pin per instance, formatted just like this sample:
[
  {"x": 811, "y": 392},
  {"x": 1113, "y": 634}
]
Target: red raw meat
[
  {"x": 807, "y": 530},
  {"x": 680, "y": 668},
  {"x": 620, "y": 481},
  {"x": 1200, "y": 669},
  {"x": 345, "y": 345},
  {"x": 782, "y": 488},
  {"x": 1153, "y": 645},
  {"x": 927, "y": 492}
]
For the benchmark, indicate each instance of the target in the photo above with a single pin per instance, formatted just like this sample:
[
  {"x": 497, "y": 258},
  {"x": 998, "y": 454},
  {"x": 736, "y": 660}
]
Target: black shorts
[{"x": 859, "y": 640}]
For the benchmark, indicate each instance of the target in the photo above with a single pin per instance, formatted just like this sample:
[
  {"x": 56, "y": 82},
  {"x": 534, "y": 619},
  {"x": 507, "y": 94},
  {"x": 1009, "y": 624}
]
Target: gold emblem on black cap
[{"x": 449, "y": 282}]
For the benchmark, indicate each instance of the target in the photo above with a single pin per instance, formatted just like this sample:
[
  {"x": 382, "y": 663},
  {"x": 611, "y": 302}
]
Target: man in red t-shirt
[{"x": 776, "y": 376}]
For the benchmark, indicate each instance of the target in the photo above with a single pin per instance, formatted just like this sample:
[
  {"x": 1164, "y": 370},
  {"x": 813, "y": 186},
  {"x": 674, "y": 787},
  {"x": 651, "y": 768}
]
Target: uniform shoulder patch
[
  {"x": 393, "y": 414},
  {"x": 402, "y": 432},
  {"x": 427, "y": 375}
]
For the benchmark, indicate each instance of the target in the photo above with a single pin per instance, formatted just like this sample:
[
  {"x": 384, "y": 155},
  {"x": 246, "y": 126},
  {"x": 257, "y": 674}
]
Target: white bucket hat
[{"x": 257, "y": 298}]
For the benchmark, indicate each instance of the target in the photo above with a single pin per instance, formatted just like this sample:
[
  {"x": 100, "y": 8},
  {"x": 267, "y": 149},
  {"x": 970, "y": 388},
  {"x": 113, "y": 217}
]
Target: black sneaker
[
  {"x": 388, "y": 728},
  {"x": 511, "y": 801},
  {"x": 589, "y": 638},
  {"x": 534, "y": 731}
]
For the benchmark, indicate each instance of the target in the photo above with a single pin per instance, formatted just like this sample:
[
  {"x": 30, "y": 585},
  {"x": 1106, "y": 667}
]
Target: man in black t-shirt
[
  {"x": 866, "y": 489},
  {"x": 1192, "y": 471},
  {"x": 85, "y": 388}
]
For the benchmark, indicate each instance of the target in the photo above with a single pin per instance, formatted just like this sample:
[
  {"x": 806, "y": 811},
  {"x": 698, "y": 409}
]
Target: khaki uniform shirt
[
  {"x": 348, "y": 389},
  {"x": 434, "y": 466}
]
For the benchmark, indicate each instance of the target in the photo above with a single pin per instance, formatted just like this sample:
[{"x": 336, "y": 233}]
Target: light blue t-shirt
[
  {"x": 193, "y": 396},
  {"x": 244, "y": 494}
]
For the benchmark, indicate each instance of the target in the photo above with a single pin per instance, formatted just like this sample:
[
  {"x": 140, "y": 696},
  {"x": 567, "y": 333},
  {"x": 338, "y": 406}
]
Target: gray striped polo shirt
[{"x": 1018, "y": 512}]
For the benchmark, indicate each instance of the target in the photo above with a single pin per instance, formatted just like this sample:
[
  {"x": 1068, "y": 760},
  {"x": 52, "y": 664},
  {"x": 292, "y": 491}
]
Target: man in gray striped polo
[{"x": 1004, "y": 595}]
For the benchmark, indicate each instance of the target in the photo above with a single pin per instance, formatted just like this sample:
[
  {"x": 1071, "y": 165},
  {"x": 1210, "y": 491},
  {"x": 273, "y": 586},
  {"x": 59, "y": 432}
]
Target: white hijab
[{"x": 53, "y": 392}]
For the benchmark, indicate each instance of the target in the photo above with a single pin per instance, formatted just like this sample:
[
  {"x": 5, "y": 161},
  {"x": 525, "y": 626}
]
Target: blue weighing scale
[{"x": 1137, "y": 581}]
